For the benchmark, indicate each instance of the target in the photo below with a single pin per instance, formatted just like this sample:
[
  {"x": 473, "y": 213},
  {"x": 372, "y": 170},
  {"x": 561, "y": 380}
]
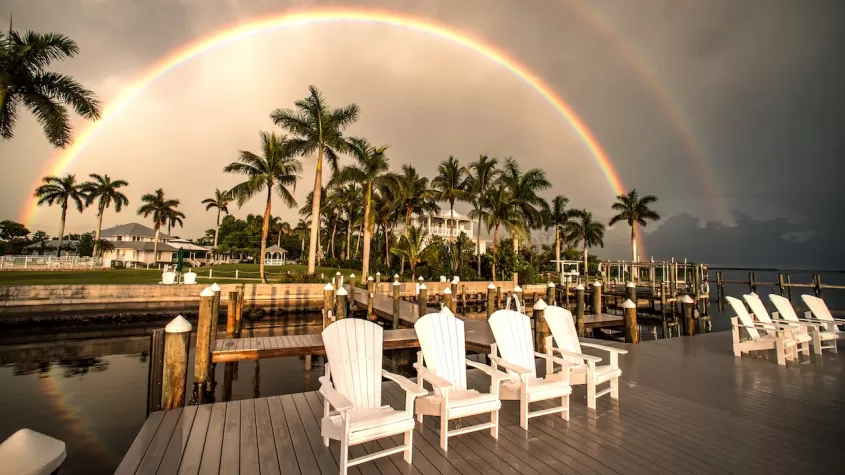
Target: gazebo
[{"x": 274, "y": 256}]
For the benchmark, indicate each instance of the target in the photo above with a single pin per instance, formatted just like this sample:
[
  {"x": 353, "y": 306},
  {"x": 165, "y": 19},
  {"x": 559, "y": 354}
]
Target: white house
[
  {"x": 194, "y": 255},
  {"x": 133, "y": 245},
  {"x": 444, "y": 223}
]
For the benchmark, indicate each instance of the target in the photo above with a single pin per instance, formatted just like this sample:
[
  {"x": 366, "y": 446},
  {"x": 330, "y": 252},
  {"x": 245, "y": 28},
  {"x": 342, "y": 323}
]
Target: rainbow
[{"x": 59, "y": 164}]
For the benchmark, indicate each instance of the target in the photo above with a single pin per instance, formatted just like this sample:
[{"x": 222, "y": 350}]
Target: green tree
[
  {"x": 276, "y": 169},
  {"x": 482, "y": 174},
  {"x": 316, "y": 127},
  {"x": 26, "y": 81},
  {"x": 586, "y": 230},
  {"x": 411, "y": 246},
  {"x": 174, "y": 218},
  {"x": 220, "y": 201},
  {"x": 369, "y": 170},
  {"x": 559, "y": 217},
  {"x": 14, "y": 236},
  {"x": 524, "y": 187},
  {"x": 105, "y": 192},
  {"x": 634, "y": 210},
  {"x": 502, "y": 211},
  {"x": 415, "y": 194},
  {"x": 162, "y": 211},
  {"x": 387, "y": 207},
  {"x": 61, "y": 191},
  {"x": 450, "y": 186},
  {"x": 39, "y": 240}
]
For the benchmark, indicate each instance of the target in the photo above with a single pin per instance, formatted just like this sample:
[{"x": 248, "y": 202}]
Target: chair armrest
[
  {"x": 432, "y": 378},
  {"x": 594, "y": 359},
  {"x": 809, "y": 316},
  {"x": 605, "y": 348},
  {"x": 510, "y": 366},
  {"x": 557, "y": 360},
  {"x": 409, "y": 386},
  {"x": 337, "y": 400},
  {"x": 493, "y": 373}
]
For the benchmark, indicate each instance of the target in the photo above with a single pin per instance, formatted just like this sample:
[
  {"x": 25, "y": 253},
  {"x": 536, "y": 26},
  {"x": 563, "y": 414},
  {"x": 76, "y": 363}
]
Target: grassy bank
[{"x": 221, "y": 273}]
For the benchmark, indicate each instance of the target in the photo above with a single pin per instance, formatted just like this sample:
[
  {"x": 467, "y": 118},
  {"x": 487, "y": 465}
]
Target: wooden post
[
  {"x": 720, "y": 291},
  {"x": 371, "y": 296},
  {"x": 351, "y": 280},
  {"x": 447, "y": 298},
  {"x": 781, "y": 288},
  {"x": 498, "y": 297},
  {"x": 631, "y": 292},
  {"x": 817, "y": 285},
  {"x": 632, "y": 332},
  {"x": 422, "y": 300},
  {"x": 541, "y": 327},
  {"x": 176, "y": 338},
  {"x": 378, "y": 282},
  {"x": 752, "y": 282},
  {"x": 231, "y": 313},
  {"x": 215, "y": 313},
  {"x": 788, "y": 287},
  {"x": 396, "y": 303},
  {"x": 351, "y": 292},
  {"x": 240, "y": 315},
  {"x": 689, "y": 322},
  {"x": 328, "y": 303},
  {"x": 673, "y": 279},
  {"x": 550, "y": 293},
  {"x": 202, "y": 359},
  {"x": 579, "y": 309},
  {"x": 342, "y": 295},
  {"x": 337, "y": 277},
  {"x": 454, "y": 303},
  {"x": 491, "y": 299},
  {"x": 597, "y": 298}
]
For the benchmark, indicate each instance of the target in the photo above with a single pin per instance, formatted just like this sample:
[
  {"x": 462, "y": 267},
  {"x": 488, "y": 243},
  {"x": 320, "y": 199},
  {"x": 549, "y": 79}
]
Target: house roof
[
  {"x": 445, "y": 214},
  {"x": 143, "y": 246},
  {"x": 186, "y": 245},
  {"x": 132, "y": 229},
  {"x": 275, "y": 249}
]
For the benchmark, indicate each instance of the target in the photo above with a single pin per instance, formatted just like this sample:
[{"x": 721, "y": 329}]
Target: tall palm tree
[
  {"x": 61, "y": 191},
  {"x": 302, "y": 231},
  {"x": 369, "y": 170},
  {"x": 634, "y": 210},
  {"x": 524, "y": 187},
  {"x": 586, "y": 230},
  {"x": 502, "y": 210},
  {"x": 450, "y": 186},
  {"x": 163, "y": 211},
  {"x": 220, "y": 201},
  {"x": 559, "y": 217},
  {"x": 102, "y": 189},
  {"x": 415, "y": 194},
  {"x": 174, "y": 218},
  {"x": 275, "y": 169},
  {"x": 411, "y": 247},
  {"x": 349, "y": 199},
  {"x": 482, "y": 174},
  {"x": 25, "y": 81},
  {"x": 316, "y": 127}
]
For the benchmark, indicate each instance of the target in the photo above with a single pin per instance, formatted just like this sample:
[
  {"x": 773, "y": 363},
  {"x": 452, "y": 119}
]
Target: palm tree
[
  {"x": 163, "y": 211},
  {"x": 25, "y": 81},
  {"x": 586, "y": 230},
  {"x": 634, "y": 210},
  {"x": 174, "y": 218},
  {"x": 559, "y": 217},
  {"x": 302, "y": 230},
  {"x": 105, "y": 191},
  {"x": 411, "y": 247},
  {"x": 61, "y": 191},
  {"x": 387, "y": 208},
  {"x": 369, "y": 170},
  {"x": 275, "y": 169},
  {"x": 316, "y": 127},
  {"x": 102, "y": 246},
  {"x": 220, "y": 202},
  {"x": 502, "y": 210},
  {"x": 480, "y": 178},
  {"x": 349, "y": 199},
  {"x": 450, "y": 185},
  {"x": 415, "y": 194},
  {"x": 524, "y": 187}
]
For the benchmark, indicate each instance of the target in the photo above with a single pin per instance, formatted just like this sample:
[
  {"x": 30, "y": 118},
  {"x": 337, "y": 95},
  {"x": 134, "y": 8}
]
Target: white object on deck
[
  {"x": 442, "y": 362},
  {"x": 27, "y": 452},
  {"x": 352, "y": 387},
  {"x": 759, "y": 311},
  {"x": 777, "y": 337},
  {"x": 178, "y": 325},
  {"x": 819, "y": 332},
  {"x": 189, "y": 278},
  {"x": 582, "y": 367},
  {"x": 168, "y": 278},
  {"x": 819, "y": 310},
  {"x": 515, "y": 343}
]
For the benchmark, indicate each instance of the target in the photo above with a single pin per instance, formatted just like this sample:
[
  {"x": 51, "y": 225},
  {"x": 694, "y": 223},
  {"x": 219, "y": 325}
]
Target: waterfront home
[
  {"x": 134, "y": 244},
  {"x": 195, "y": 255},
  {"x": 444, "y": 223}
]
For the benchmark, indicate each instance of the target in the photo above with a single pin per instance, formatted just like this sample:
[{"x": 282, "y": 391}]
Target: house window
[{"x": 120, "y": 238}]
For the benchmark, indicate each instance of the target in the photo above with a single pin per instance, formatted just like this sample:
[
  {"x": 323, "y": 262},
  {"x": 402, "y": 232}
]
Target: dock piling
[
  {"x": 632, "y": 333},
  {"x": 447, "y": 298},
  {"x": 491, "y": 299},
  {"x": 328, "y": 303},
  {"x": 342, "y": 295},
  {"x": 689, "y": 322},
  {"x": 202, "y": 359},
  {"x": 396, "y": 303},
  {"x": 597, "y": 297},
  {"x": 541, "y": 327},
  {"x": 517, "y": 292},
  {"x": 174, "y": 378},
  {"x": 550, "y": 293},
  {"x": 156, "y": 370},
  {"x": 231, "y": 313},
  {"x": 579, "y": 309},
  {"x": 453, "y": 306},
  {"x": 215, "y": 313},
  {"x": 422, "y": 300},
  {"x": 371, "y": 295},
  {"x": 631, "y": 292}
]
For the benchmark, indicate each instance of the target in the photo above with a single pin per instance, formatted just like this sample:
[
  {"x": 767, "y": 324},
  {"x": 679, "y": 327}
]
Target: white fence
[{"x": 49, "y": 262}]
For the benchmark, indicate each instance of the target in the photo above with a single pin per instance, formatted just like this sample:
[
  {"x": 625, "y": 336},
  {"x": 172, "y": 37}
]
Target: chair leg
[
  {"x": 325, "y": 415},
  {"x": 420, "y": 418},
  {"x": 523, "y": 413},
  {"x": 614, "y": 388},
  {"x": 444, "y": 433},
  {"x": 409, "y": 443},
  {"x": 344, "y": 454},
  {"x": 494, "y": 418},
  {"x": 591, "y": 394},
  {"x": 564, "y": 402}
]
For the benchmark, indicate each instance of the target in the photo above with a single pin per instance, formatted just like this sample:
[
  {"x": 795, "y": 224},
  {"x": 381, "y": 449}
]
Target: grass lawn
[{"x": 153, "y": 276}]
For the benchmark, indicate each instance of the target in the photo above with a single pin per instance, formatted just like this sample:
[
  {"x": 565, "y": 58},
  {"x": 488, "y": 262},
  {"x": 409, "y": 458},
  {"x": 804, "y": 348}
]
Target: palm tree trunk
[
  {"x": 315, "y": 210},
  {"x": 515, "y": 244},
  {"x": 386, "y": 246},
  {"x": 100, "y": 212},
  {"x": 408, "y": 217},
  {"x": 358, "y": 240},
  {"x": 348, "y": 239},
  {"x": 478, "y": 247},
  {"x": 365, "y": 266},
  {"x": 62, "y": 229},
  {"x": 402, "y": 266},
  {"x": 586, "y": 271},
  {"x": 155, "y": 243},
  {"x": 633, "y": 243},
  {"x": 557, "y": 251},
  {"x": 217, "y": 229},
  {"x": 334, "y": 234},
  {"x": 451, "y": 217},
  {"x": 495, "y": 250},
  {"x": 265, "y": 229}
]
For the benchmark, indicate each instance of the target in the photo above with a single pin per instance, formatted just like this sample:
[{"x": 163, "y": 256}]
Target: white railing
[
  {"x": 443, "y": 231},
  {"x": 274, "y": 262},
  {"x": 48, "y": 262}
]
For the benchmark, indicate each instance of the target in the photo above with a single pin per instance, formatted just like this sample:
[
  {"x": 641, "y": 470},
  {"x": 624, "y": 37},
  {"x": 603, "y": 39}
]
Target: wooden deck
[{"x": 688, "y": 406}]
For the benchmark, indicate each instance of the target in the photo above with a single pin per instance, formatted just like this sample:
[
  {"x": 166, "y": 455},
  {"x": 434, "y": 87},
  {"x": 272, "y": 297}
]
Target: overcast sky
[{"x": 731, "y": 112}]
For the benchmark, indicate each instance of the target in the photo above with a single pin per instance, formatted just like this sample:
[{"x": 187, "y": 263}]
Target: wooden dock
[{"x": 687, "y": 406}]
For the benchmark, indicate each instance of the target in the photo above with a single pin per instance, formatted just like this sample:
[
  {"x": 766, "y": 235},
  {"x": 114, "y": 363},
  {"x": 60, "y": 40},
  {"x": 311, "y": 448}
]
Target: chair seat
[
  {"x": 540, "y": 389},
  {"x": 603, "y": 374},
  {"x": 472, "y": 402},
  {"x": 368, "y": 424}
]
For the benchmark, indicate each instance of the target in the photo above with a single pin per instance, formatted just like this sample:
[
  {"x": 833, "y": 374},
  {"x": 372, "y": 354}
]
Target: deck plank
[
  {"x": 268, "y": 460},
  {"x": 193, "y": 452},
  {"x": 140, "y": 445},
  {"x": 282, "y": 436},
  {"x": 249, "y": 439},
  {"x": 213, "y": 446},
  {"x": 305, "y": 456},
  {"x": 230, "y": 452},
  {"x": 175, "y": 450},
  {"x": 152, "y": 459}
]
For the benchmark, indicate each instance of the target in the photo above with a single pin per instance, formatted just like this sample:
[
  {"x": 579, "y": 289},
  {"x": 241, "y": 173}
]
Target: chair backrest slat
[
  {"x": 759, "y": 310},
  {"x": 354, "y": 350},
  {"x": 563, "y": 329},
  {"x": 512, "y": 332},
  {"x": 784, "y": 306},
  {"x": 818, "y": 307},
  {"x": 441, "y": 337},
  {"x": 739, "y": 308}
]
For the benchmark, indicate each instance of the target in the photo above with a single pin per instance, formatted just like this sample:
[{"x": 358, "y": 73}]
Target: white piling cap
[
  {"x": 629, "y": 304},
  {"x": 550, "y": 284},
  {"x": 517, "y": 289},
  {"x": 395, "y": 276},
  {"x": 630, "y": 284},
  {"x": 378, "y": 273},
  {"x": 540, "y": 304},
  {"x": 687, "y": 299},
  {"x": 420, "y": 278},
  {"x": 491, "y": 286},
  {"x": 370, "y": 278},
  {"x": 329, "y": 286},
  {"x": 579, "y": 287},
  {"x": 337, "y": 273},
  {"x": 395, "y": 282},
  {"x": 215, "y": 287},
  {"x": 596, "y": 284},
  {"x": 207, "y": 292},
  {"x": 342, "y": 292},
  {"x": 351, "y": 276},
  {"x": 178, "y": 325},
  {"x": 422, "y": 286},
  {"x": 447, "y": 291}
]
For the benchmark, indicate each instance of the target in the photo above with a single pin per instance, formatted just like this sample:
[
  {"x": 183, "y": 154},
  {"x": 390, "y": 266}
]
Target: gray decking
[{"x": 687, "y": 407}]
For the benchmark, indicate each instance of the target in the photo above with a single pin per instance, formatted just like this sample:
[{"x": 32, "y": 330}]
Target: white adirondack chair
[
  {"x": 515, "y": 344},
  {"x": 442, "y": 362},
  {"x": 352, "y": 386},
  {"x": 777, "y": 337},
  {"x": 819, "y": 332},
  {"x": 802, "y": 335},
  {"x": 168, "y": 278},
  {"x": 820, "y": 311},
  {"x": 582, "y": 367},
  {"x": 189, "y": 278}
]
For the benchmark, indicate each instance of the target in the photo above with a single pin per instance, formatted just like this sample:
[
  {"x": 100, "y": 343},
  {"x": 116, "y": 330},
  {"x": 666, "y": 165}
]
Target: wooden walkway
[{"x": 688, "y": 406}]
